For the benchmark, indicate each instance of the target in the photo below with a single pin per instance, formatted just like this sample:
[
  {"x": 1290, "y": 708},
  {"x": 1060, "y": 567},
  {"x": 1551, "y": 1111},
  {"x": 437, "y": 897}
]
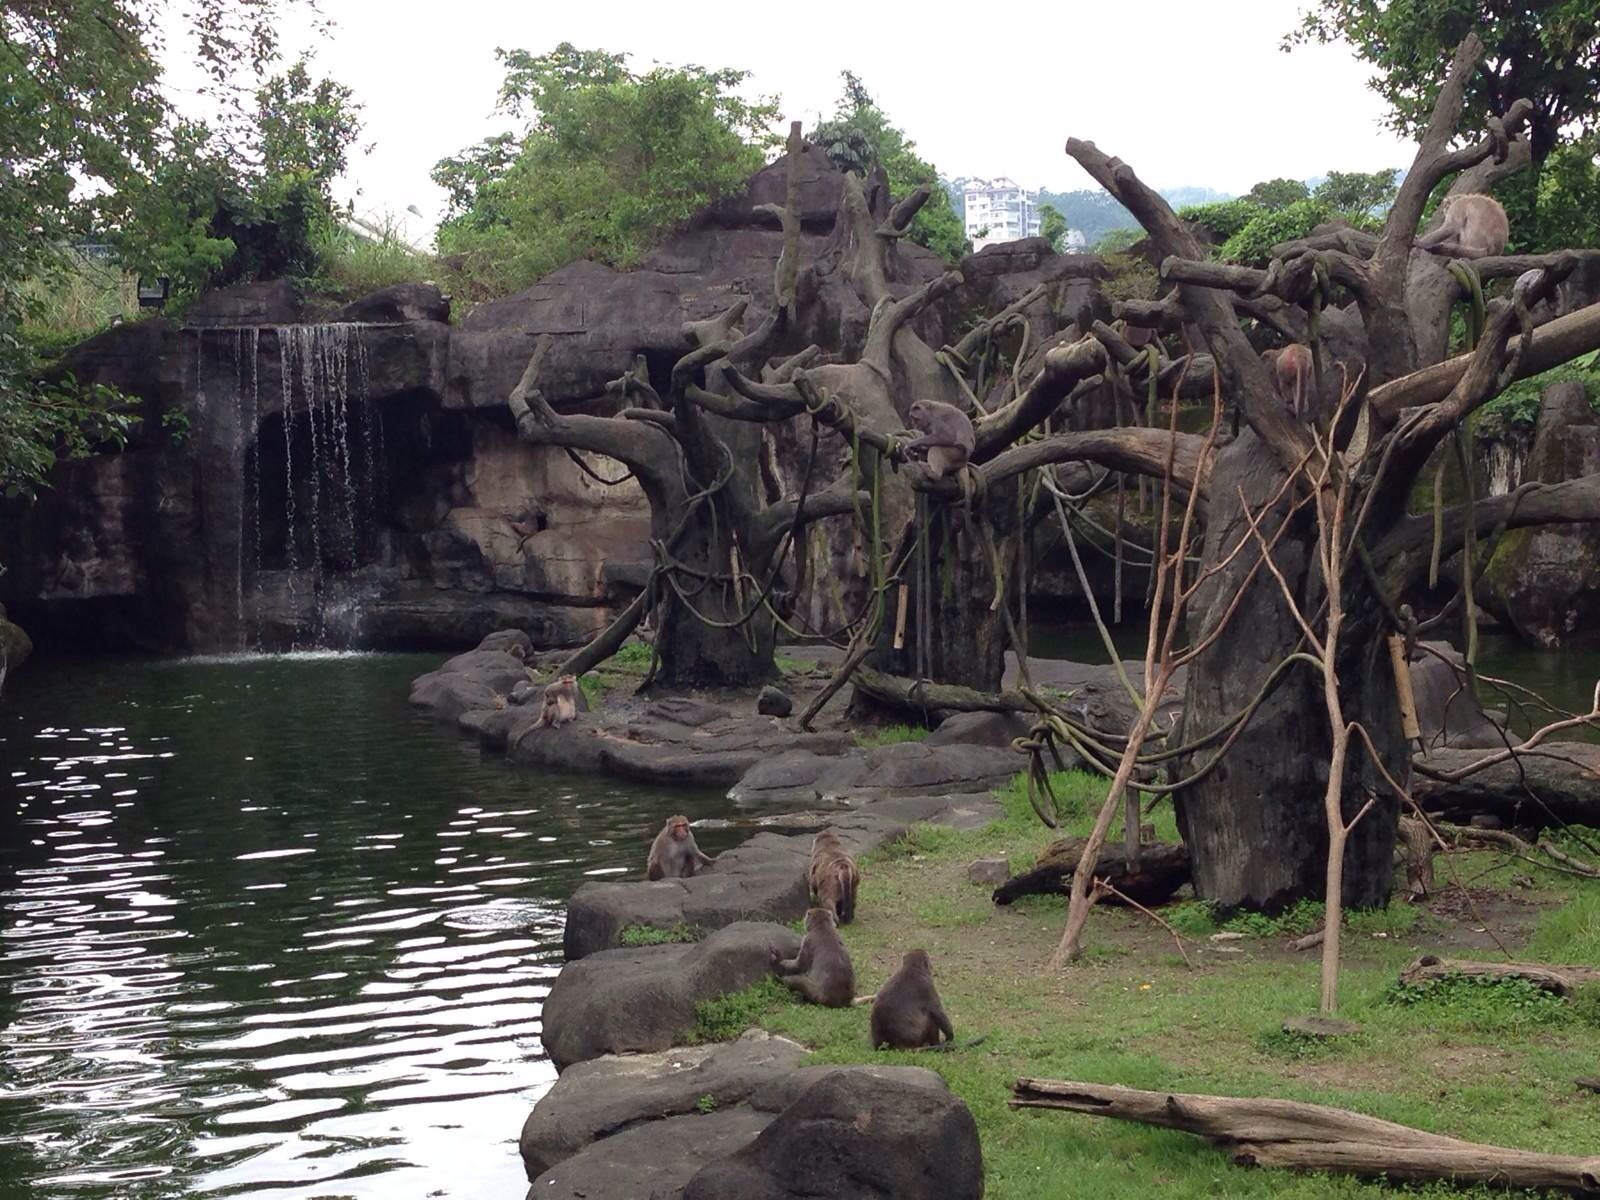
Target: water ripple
[{"x": 304, "y": 951}]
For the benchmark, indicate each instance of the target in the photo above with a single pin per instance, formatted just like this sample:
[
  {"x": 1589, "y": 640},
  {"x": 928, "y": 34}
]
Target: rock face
[
  {"x": 350, "y": 477},
  {"x": 626, "y": 1001},
  {"x": 853, "y": 1134},
  {"x": 1546, "y": 582}
]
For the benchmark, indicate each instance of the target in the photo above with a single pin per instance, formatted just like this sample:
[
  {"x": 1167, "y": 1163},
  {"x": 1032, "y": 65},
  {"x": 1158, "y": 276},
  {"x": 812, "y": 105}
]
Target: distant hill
[{"x": 1092, "y": 211}]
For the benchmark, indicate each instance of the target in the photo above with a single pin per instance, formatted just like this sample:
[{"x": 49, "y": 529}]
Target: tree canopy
[
  {"x": 859, "y": 135},
  {"x": 85, "y": 131},
  {"x": 1548, "y": 53},
  {"x": 606, "y": 162}
]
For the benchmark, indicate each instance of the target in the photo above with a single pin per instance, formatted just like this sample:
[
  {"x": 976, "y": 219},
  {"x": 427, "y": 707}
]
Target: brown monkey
[
  {"x": 1471, "y": 225},
  {"x": 821, "y": 971},
  {"x": 674, "y": 855},
  {"x": 834, "y": 876},
  {"x": 907, "y": 1014},
  {"x": 1293, "y": 372},
  {"x": 946, "y": 435},
  {"x": 562, "y": 702}
]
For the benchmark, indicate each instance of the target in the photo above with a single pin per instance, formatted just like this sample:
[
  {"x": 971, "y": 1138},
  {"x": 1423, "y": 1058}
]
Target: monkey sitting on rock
[
  {"x": 833, "y": 877},
  {"x": 674, "y": 855},
  {"x": 563, "y": 701},
  {"x": 1294, "y": 376},
  {"x": 907, "y": 1013},
  {"x": 821, "y": 971}
]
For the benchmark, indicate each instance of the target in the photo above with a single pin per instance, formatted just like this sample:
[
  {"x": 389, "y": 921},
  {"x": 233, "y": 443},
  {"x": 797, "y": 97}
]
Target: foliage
[
  {"x": 84, "y": 118},
  {"x": 82, "y": 296},
  {"x": 1094, "y": 212},
  {"x": 1566, "y": 202},
  {"x": 1483, "y": 1003},
  {"x": 891, "y": 735},
  {"x": 359, "y": 262},
  {"x": 1549, "y": 52},
  {"x": 1570, "y": 933},
  {"x": 1358, "y": 192},
  {"x": 1518, "y": 405},
  {"x": 1253, "y": 244},
  {"x": 633, "y": 655},
  {"x": 649, "y": 935},
  {"x": 859, "y": 136},
  {"x": 723, "y": 1018},
  {"x": 1273, "y": 194},
  {"x": 1221, "y": 219},
  {"x": 1052, "y": 226},
  {"x": 607, "y": 162},
  {"x": 1117, "y": 241}
]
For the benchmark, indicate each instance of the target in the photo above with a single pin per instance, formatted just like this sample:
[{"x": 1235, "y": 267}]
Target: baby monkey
[
  {"x": 563, "y": 700},
  {"x": 674, "y": 855}
]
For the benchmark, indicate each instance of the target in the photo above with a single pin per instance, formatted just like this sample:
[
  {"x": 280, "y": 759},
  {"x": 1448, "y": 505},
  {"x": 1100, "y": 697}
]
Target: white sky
[{"x": 1188, "y": 93}]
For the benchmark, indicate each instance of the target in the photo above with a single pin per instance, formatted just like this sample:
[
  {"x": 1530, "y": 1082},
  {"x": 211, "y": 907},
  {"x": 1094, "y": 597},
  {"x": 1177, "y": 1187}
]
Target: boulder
[
  {"x": 15, "y": 644},
  {"x": 989, "y": 871},
  {"x": 1447, "y": 711},
  {"x": 270, "y": 302},
  {"x": 447, "y": 695},
  {"x": 654, "y": 1159},
  {"x": 980, "y": 729},
  {"x": 591, "y": 1100},
  {"x": 1545, "y": 581},
  {"x": 627, "y": 1001},
  {"x": 399, "y": 302},
  {"x": 902, "y": 768},
  {"x": 773, "y": 702},
  {"x": 512, "y": 641},
  {"x": 856, "y": 1134}
]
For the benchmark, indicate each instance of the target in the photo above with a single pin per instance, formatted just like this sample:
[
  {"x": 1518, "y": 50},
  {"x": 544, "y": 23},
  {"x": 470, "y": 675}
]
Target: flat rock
[
  {"x": 641, "y": 1000},
  {"x": 855, "y": 1134},
  {"x": 980, "y": 729},
  {"x": 592, "y": 1100},
  {"x": 988, "y": 871},
  {"x": 763, "y": 879},
  {"x": 858, "y": 775},
  {"x": 651, "y": 1160}
]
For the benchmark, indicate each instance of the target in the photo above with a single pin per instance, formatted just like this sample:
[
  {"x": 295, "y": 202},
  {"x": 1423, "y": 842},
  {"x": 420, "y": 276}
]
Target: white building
[{"x": 999, "y": 211}]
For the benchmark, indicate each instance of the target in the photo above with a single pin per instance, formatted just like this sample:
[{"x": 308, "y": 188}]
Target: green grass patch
[
  {"x": 1487, "y": 1066},
  {"x": 891, "y": 735},
  {"x": 1570, "y": 933},
  {"x": 650, "y": 935},
  {"x": 632, "y": 656},
  {"x": 1484, "y": 1005},
  {"x": 724, "y": 1018}
]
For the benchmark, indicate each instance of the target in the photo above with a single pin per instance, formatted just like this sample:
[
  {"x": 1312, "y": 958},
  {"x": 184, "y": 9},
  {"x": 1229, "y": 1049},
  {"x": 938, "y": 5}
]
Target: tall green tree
[
  {"x": 607, "y": 161},
  {"x": 1052, "y": 226},
  {"x": 1548, "y": 52},
  {"x": 1357, "y": 191},
  {"x": 859, "y": 136},
  {"x": 1273, "y": 194},
  {"x": 84, "y": 119}
]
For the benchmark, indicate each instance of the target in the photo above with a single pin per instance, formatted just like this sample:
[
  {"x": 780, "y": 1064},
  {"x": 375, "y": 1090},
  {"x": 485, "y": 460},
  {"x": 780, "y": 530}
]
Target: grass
[
  {"x": 77, "y": 301},
  {"x": 650, "y": 935},
  {"x": 891, "y": 735},
  {"x": 355, "y": 263},
  {"x": 1491, "y": 1064}
]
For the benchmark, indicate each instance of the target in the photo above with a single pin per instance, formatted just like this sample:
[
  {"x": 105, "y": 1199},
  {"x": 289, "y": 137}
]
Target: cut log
[
  {"x": 1560, "y": 979},
  {"x": 1565, "y": 776},
  {"x": 1313, "y": 1137},
  {"x": 1163, "y": 868}
]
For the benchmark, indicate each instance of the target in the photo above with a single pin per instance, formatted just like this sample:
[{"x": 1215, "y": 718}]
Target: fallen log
[
  {"x": 1560, "y": 979},
  {"x": 1163, "y": 868},
  {"x": 1313, "y": 1137},
  {"x": 1557, "y": 781}
]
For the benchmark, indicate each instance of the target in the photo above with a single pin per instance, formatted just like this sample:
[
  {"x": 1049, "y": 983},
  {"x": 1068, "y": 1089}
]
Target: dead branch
[
  {"x": 1561, "y": 980},
  {"x": 1312, "y": 1137}
]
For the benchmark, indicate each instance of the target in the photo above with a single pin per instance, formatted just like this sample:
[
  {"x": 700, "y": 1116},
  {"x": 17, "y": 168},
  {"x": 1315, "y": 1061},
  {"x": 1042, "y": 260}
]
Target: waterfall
[{"x": 327, "y": 479}]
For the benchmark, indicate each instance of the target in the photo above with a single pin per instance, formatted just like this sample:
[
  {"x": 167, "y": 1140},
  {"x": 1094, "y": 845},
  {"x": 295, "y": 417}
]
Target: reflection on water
[{"x": 265, "y": 931}]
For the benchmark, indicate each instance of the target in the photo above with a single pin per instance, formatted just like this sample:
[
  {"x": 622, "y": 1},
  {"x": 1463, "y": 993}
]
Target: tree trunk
[{"x": 1256, "y": 826}]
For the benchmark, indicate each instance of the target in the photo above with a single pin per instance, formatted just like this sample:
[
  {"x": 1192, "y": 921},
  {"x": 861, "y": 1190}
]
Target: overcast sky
[{"x": 1187, "y": 93}]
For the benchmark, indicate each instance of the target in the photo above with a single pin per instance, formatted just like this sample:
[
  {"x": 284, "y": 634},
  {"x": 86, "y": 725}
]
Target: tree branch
[{"x": 1065, "y": 367}]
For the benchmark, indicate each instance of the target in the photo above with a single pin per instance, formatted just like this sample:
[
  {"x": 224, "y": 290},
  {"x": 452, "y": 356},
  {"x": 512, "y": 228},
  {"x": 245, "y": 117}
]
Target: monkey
[
  {"x": 821, "y": 971},
  {"x": 1293, "y": 372},
  {"x": 563, "y": 700},
  {"x": 833, "y": 876},
  {"x": 907, "y": 1014},
  {"x": 946, "y": 435},
  {"x": 1471, "y": 225},
  {"x": 674, "y": 855}
]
